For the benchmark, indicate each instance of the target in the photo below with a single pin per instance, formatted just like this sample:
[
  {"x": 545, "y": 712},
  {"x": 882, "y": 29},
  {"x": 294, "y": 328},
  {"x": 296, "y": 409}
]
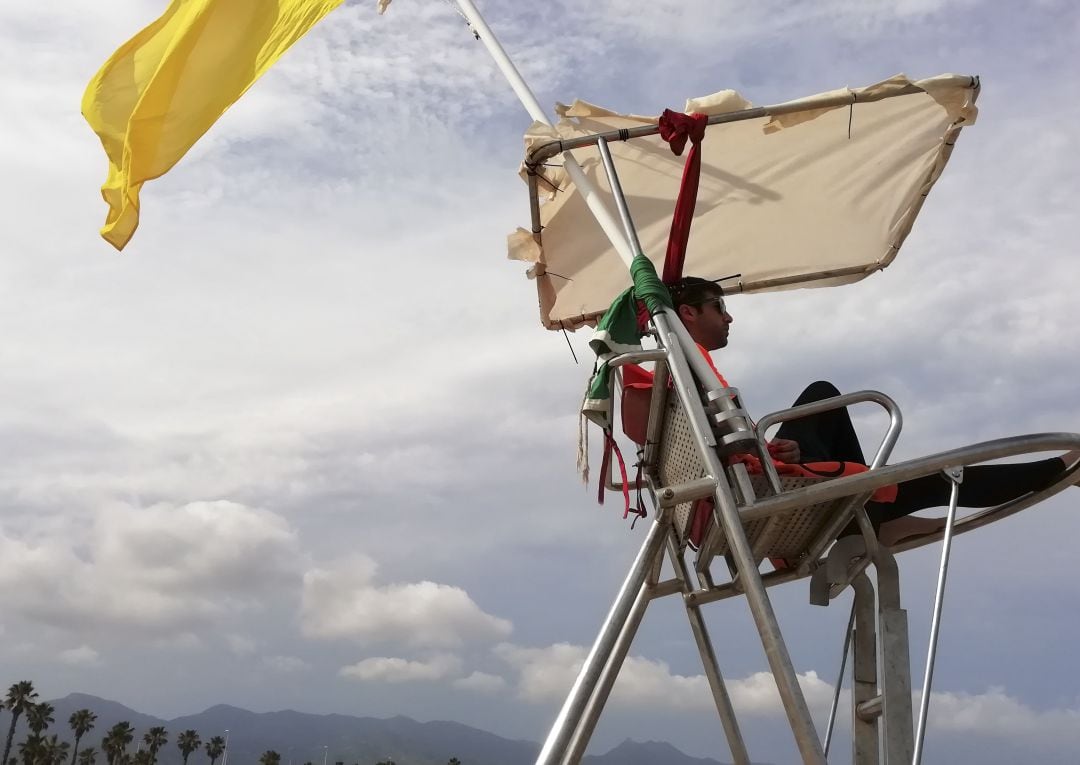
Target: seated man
[{"x": 830, "y": 436}]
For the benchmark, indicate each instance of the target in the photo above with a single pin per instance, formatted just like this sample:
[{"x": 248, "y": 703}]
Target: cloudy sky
[{"x": 304, "y": 444}]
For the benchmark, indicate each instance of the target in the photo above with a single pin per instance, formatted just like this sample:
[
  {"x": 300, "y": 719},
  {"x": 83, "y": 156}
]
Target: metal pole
[
  {"x": 724, "y": 708},
  {"x": 546, "y": 151},
  {"x": 589, "y": 193},
  {"x": 955, "y": 476},
  {"x": 532, "y": 106},
  {"x": 726, "y": 514},
  {"x": 574, "y": 707},
  {"x": 865, "y": 749},
  {"x": 595, "y": 705},
  {"x": 898, "y": 735},
  {"x": 839, "y": 679},
  {"x": 704, "y": 373}
]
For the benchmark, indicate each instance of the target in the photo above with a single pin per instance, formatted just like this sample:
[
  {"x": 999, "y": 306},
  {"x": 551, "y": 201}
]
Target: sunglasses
[{"x": 718, "y": 302}]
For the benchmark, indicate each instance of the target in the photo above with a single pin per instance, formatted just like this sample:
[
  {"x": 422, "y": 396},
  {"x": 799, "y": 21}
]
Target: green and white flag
[{"x": 618, "y": 333}]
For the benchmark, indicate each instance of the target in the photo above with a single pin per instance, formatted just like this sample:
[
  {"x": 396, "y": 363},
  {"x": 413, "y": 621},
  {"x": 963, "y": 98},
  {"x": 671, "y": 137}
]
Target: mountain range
[{"x": 306, "y": 738}]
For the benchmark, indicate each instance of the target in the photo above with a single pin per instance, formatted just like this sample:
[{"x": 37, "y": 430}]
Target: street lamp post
[
  {"x": 225, "y": 751},
  {"x": 324, "y": 753}
]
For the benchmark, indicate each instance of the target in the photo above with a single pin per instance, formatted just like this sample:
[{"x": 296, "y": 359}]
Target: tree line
[{"x": 39, "y": 749}]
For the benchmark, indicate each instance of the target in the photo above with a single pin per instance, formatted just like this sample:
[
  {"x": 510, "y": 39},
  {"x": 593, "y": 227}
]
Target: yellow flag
[{"x": 165, "y": 87}]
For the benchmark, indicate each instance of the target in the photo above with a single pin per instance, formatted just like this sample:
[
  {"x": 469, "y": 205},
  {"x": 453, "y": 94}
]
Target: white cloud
[
  {"x": 481, "y": 682},
  {"x": 757, "y": 693},
  {"x": 344, "y": 602},
  {"x": 83, "y": 656},
  {"x": 394, "y": 670},
  {"x": 285, "y": 664},
  {"x": 995, "y": 713},
  {"x": 181, "y": 640},
  {"x": 158, "y": 568},
  {"x": 732, "y": 23},
  {"x": 546, "y": 674},
  {"x": 240, "y": 644}
]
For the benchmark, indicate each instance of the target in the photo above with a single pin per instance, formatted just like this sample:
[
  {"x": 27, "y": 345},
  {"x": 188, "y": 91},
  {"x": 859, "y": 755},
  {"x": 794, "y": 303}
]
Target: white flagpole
[
  {"x": 608, "y": 222},
  {"x": 614, "y": 230},
  {"x": 600, "y": 211}
]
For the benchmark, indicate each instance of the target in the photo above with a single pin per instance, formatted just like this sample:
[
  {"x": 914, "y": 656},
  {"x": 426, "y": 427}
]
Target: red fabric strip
[
  {"x": 611, "y": 446},
  {"x": 676, "y": 129}
]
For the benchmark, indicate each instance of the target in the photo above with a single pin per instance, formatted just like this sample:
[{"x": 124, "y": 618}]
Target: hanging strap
[
  {"x": 639, "y": 505},
  {"x": 610, "y": 446},
  {"x": 676, "y": 129},
  {"x": 605, "y": 466}
]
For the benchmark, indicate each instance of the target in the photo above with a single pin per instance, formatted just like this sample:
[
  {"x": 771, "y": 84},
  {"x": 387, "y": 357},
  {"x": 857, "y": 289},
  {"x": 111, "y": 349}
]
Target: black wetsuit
[{"x": 830, "y": 436}]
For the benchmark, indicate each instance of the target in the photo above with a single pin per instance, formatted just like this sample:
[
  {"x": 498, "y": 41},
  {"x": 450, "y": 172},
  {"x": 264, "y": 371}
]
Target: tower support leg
[
  {"x": 573, "y": 709},
  {"x": 895, "y": 663},
  {"x": 864, "y": 675},
  {"x": 579, "y": 741},
  {"x": 719, "y": 690}
]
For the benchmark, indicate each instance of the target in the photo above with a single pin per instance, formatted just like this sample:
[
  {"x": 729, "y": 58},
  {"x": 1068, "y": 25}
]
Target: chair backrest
[{"x": 786, "y": 537}]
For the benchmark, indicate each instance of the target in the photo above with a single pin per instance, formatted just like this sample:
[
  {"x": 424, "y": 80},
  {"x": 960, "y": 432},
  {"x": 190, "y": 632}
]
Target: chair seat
[{"x": 784, "y": 537}]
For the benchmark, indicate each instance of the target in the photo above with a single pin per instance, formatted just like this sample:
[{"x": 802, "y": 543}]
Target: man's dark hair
[{"x": 693, "y": 290}]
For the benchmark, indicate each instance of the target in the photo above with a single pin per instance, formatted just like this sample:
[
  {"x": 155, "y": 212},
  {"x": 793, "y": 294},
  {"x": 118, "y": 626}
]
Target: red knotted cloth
[{"x": 676, "y": 129}]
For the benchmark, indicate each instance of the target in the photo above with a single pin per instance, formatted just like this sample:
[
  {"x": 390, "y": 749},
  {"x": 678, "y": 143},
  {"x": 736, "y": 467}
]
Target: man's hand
[{"x": 785, "y": 450}]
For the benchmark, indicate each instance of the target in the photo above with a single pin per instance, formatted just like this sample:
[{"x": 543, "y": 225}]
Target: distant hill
[{"x": 301, "y": 738}]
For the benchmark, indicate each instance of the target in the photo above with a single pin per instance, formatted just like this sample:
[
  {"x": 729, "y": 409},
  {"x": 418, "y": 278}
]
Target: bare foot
[{"x": 896, "y": 531}]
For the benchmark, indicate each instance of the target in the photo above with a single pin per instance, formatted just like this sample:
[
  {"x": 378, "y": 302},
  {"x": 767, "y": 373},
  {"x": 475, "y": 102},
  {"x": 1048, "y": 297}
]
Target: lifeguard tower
[{"x": 821, "y": 191}]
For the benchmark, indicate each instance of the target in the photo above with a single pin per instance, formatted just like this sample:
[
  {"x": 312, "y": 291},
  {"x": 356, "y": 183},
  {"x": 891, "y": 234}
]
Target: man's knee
[{"x": 817, "y": 391}]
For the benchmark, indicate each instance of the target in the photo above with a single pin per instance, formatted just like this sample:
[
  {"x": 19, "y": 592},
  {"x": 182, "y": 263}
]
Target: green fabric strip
[{"x": 617, "y": 332}]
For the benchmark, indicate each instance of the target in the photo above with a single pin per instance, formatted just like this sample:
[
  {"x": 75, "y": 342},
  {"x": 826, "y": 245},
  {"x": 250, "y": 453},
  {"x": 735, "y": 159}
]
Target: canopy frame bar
[
  {"x": 546, "y": 151},
  {"x": 536, "y": 157}
]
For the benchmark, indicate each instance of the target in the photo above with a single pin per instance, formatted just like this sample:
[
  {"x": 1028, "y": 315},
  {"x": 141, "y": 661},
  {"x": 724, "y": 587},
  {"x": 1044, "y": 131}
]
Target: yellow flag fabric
[{"x": 168, "y": 84}]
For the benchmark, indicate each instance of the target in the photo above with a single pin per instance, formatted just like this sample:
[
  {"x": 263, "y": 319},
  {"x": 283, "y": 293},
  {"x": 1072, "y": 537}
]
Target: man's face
[{"x": 707, "y": 322}]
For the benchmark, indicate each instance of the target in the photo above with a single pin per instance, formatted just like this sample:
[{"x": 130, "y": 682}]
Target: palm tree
[
  {"x": 116, "y": 741},
  {"x": 155, "y": 738},
  {"x": 188, "y": 742},
  {"x": 454, "y": 761},
  {"x": 270, "y": 757},
  {"x": 20, "y": 696},
  {"x": 39, "y": 716},
  {"x": 88, "y": 756},
  {"x": 54, "y": 751},
  {"x": 81, "y": 722},
  {"x": 142, "y": 757},
  {"x": 30, "y": 749},
  {"x": 215, "y": 747}
]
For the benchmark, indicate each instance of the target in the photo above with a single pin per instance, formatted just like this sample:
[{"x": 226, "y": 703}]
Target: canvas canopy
[{"x": 815, "y": 192}]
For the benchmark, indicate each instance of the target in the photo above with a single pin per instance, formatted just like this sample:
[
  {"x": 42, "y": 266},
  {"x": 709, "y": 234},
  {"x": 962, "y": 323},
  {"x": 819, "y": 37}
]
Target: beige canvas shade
[{"x": 815, "y": 192}]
